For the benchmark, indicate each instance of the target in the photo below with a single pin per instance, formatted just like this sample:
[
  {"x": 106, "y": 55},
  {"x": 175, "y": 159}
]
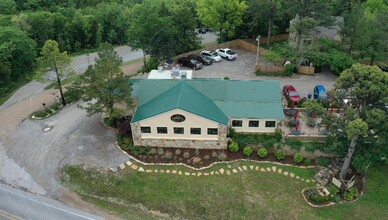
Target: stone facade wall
[{"x": 221, "y": 143}]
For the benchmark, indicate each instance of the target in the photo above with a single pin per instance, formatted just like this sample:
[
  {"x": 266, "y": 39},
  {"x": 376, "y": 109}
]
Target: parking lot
[{"x": 243, "y": 68}]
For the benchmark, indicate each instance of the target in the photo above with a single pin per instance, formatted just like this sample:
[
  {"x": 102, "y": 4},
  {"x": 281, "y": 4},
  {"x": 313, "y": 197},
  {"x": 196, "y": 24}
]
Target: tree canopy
[
  {"x": 17, "y": 56},
  {"x": 104, "y": 85},
  {"x": 365, "y": 121},
  {"x": 52, "y": 60},
  {"x": 221, "y": 16}
]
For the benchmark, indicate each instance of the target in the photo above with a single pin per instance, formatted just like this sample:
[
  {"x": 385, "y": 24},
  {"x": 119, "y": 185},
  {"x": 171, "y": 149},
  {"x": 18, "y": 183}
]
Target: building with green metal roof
[{"x": 197, "y": 113}]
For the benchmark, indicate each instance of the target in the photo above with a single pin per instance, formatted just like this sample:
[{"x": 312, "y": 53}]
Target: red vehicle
[{"x": 291, "y": 94}]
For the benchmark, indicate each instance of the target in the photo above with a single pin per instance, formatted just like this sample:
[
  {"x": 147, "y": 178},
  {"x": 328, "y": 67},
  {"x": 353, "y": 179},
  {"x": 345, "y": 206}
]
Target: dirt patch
[
  {"x": 132, "y": 69},
  {"x": 74, "y": 200}
]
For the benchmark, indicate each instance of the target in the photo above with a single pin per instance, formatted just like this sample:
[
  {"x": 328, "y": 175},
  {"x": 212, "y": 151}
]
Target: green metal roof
[
  {"x": 184, "y": 97},
  {"x": 235, "y": 98}
]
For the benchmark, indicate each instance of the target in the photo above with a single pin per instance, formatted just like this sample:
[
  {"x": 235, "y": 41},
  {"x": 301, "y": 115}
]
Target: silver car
[{"x": 211, "y": 55}]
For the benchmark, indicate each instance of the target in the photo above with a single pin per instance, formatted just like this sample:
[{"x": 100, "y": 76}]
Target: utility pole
[{"x": 258, "y": 48}]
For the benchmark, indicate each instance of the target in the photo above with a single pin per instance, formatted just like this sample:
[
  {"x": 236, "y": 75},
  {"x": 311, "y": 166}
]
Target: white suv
[
  {"x": 227, "y": 53},
  {"x": 211, "y": 55}
]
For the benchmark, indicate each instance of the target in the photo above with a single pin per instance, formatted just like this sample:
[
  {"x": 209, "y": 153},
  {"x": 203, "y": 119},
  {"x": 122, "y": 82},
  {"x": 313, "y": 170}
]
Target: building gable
[{"x": 180, "y": 96}]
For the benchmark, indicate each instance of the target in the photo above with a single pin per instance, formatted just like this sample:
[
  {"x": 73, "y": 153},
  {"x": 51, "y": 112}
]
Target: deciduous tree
[
  {"x": 220, "y": 15},
  {"x": 53, "y": 60},
  {"x": 309, "y": 14},
  {"x": 104, "y": 85},
  {"x": 365, "y": 122}
]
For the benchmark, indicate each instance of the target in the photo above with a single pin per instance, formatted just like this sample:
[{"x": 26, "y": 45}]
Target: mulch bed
[{"x": 207, "y": 157}]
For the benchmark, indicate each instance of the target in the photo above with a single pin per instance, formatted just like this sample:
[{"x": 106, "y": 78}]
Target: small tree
[
  {"x": 354, "y": 129},
  {"x": 53, "y": 60}
]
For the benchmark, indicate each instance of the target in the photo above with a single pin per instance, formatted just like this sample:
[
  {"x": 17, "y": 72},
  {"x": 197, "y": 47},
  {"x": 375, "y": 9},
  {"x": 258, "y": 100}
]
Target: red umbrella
[{"x": 297, "y": 126}]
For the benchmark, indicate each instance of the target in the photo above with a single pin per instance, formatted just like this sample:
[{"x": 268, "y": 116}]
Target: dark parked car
[
  {"x": 320, "y": 92},
  {"x": 202, "y": 30},
  {"x": 384, "y": 68},
  {"x": 204, "y": 60},
  {"x": 189, "y": 62},
  {"x": 291, "y": 94}
]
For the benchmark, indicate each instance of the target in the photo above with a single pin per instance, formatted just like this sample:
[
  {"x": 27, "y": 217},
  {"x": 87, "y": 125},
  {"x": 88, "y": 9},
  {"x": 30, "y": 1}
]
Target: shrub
[
  {"x": 311, "y": 122},
  {"x": 153, "y": 151},
  {"x": 294, "y": 143},
  {"x": 160, "y": 151},
  {"x": 168, "y": 154},
  {"x": 272, "y": 56},
  {"x": 178, "y": 151},
  {"x": 278, "y": 135},
  {"x": 214, "y": 154},
  {"x": 206, "y": 157},
  {"x": 279, "y": 154},
  {"x": 333, "y": 189},
  {"x": 300, "y": 103},
  {"x": 247, "y": 151},
  {"x": 269, "y": 143},
  {"x": 55, "y": 106},
  {"x": 40, "y": 114},
  {"x": 262, "y": 152},
  {"x": 197, "y": 152},
  {"x": 307, "y": 161},
  {"x": 320, "y": 199},
  {"x": 226, "y": 78},
  {"x": 323, "y": 161},
  {"x": 222, "y": 156},
  {"x": 289, "y": 70},
  {"x": 351, "y": 194},
  {"x": 233, "y": 147},
  {"x": 186, "y": 155},
  {"x": 298, "y": 157},
  {"x": 151, "y": 64},
  {"x": 120, "y": 140}
]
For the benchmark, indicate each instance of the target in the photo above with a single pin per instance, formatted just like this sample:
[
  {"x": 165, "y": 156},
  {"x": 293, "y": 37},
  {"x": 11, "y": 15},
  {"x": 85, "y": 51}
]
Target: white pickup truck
[{"x": 227, "y": 53}]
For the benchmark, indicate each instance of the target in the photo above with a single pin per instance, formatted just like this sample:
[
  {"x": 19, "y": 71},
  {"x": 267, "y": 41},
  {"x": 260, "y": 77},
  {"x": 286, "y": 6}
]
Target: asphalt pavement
[{"x": 16, "y": 204}]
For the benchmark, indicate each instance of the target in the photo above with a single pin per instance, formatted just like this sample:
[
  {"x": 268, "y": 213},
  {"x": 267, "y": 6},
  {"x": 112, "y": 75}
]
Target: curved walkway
[{"x": 137, "y": 166}]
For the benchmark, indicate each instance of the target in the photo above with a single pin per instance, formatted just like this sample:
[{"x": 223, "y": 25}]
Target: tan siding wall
[
  {"x": 192, "y": 120},
  {"x": 245, "y": 125}
]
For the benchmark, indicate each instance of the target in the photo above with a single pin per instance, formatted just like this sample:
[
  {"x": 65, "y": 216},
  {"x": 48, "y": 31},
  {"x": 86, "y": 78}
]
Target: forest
[{"x": 167, "y": 27}]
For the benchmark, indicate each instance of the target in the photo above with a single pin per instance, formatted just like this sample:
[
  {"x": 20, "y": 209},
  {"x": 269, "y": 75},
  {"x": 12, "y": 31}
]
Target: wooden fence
[
  {"x": 270, "y": 69},
  {"x": 306, "y": 70}
]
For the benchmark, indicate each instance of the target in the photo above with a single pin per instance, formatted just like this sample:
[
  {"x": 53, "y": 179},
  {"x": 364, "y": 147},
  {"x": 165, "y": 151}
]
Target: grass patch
[
  {"x": 240, "y": 196},
  {"x": 250, "y": 193}
]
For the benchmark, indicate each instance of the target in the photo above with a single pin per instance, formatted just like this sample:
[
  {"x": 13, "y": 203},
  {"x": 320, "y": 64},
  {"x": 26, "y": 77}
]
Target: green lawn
[{"x": 246, "y": 195}]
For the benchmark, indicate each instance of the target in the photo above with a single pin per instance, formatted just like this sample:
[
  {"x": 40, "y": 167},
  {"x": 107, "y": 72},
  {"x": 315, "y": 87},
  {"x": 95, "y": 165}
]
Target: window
[
  {"x": 145, "y": 129},
  {"x": 162, "y": 130},
  {"x": 178, "y": 130},
  {"x": 254, "y": 124},
  {"x": 270, "y": 124},
  {"x": 212, "y": 131},
  {"x": 195, "y": 130},
  {"x": 236, "y": 123}
]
